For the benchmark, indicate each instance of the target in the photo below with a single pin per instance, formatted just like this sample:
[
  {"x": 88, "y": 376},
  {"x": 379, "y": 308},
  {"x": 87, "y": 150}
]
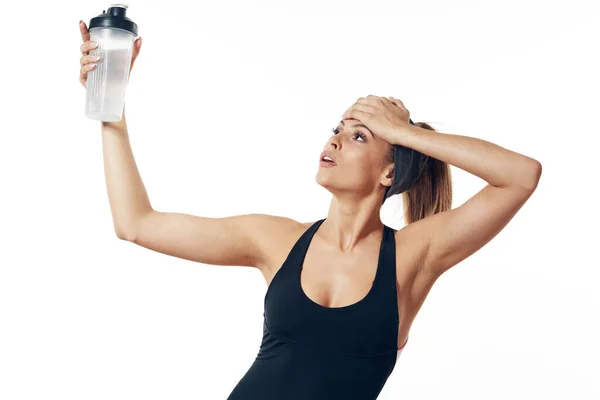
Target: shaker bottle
[{"x": 107, "y": 83}]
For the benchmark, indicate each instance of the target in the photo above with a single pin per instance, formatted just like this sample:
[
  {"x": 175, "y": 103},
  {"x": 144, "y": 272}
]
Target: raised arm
[
  {"x": 452, "y": 236},
  {"x": 237, "y": 240}
]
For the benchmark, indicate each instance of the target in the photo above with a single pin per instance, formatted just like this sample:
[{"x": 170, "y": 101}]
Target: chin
[{"x": 321, "y": 180}]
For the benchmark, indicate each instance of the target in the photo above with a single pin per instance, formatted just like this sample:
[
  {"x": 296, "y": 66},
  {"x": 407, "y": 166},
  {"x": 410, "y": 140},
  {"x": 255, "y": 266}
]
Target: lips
[{"x": 325, "y": 156}]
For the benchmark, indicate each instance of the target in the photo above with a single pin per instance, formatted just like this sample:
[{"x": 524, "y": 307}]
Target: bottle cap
[{"x": 114, "y": 18}]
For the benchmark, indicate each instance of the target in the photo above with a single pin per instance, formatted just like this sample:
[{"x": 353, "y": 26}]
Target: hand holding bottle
[
  {"x": 110, "y": 46},
  {"x": 88, "y": 62}
]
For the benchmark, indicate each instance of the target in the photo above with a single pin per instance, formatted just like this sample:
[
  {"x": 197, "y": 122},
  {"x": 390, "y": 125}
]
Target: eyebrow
[{"x": 358, "y": 126}]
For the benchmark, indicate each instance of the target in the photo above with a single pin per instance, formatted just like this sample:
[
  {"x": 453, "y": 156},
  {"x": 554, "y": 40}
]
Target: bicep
[{"x": 218, "y": 241}]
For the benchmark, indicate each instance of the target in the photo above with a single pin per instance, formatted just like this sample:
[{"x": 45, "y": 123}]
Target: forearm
[
  {"x": 494, "y": 164},
  {"x": 126, "y": 192}
]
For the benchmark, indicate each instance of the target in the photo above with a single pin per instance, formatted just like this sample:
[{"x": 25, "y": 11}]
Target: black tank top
[{"x": 313, "y": 352}]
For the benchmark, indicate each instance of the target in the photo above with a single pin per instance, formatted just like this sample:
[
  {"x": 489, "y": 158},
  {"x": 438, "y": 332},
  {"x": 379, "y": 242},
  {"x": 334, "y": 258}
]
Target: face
[{"x": 361, "y": 161}]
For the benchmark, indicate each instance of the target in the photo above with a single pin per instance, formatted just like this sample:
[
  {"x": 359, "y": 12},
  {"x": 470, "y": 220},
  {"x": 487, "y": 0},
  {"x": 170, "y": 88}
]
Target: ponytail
[{"x": 432, "y": 192}]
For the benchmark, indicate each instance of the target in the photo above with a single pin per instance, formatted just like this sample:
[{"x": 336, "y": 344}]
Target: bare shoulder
[{"x": 275, "y": 236}]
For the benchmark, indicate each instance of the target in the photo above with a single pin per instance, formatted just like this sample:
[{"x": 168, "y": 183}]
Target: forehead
[{"x": 350, "y": 122}]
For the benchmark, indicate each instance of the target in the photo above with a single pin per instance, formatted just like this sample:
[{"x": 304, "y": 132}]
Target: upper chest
[{"x": 334, "y": 278}]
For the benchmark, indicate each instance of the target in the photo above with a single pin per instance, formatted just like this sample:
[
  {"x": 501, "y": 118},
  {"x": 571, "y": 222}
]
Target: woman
[{"x": 342, "y": 291}]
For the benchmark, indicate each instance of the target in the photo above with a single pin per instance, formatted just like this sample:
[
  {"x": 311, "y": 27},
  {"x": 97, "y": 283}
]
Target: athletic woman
[{"x": 342, "y": 291}]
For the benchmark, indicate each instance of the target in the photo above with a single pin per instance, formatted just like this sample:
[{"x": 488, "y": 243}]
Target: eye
[
  {"x": 362, "y": 136},
  {"x": 359, "y": 134}
]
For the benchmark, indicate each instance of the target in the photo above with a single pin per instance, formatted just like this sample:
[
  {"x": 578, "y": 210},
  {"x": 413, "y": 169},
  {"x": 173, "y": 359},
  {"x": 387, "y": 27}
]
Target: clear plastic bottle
[{"x": 107, "y": 83}]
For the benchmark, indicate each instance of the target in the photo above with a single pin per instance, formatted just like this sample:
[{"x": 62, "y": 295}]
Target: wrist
[
  {"x": 402, "y": 134},
  {"x": 118, "y": 125}
]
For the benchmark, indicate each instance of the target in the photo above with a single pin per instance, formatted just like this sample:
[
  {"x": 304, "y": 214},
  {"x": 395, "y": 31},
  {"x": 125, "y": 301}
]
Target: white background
[{"x": 228, "y": 107}]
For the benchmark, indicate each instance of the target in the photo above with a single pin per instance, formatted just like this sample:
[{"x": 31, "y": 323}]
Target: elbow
[
  {"x": 124, "y": 235},
  {"x": 532, "y": 177},
  {"x": 129, "y": 231}
]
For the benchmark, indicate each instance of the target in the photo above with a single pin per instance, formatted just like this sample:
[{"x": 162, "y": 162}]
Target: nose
[{"x": 333, "y": 140}]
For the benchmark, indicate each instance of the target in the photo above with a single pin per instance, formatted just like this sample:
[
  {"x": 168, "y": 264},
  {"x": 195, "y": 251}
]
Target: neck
[{"x": 351, "y": 221}]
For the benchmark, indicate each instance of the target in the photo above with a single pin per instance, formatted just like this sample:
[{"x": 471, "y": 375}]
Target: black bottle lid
[{"x": 114, "y": 18}]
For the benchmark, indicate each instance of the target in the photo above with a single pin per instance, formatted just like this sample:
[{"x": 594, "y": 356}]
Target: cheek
[
  {"x": 365, "y": 167},
  {"x": 364, "y": 162}
]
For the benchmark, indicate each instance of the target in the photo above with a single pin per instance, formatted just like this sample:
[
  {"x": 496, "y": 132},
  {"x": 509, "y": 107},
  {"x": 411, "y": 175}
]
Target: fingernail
[{"x": 95, "y": 58}]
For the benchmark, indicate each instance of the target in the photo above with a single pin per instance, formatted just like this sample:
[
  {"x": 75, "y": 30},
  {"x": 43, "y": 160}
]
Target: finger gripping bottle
[{"x": 107, "y": 83}]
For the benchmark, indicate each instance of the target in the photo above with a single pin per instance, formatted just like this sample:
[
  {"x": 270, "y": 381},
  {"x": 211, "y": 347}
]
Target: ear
[{"x": 388, "y": 177}]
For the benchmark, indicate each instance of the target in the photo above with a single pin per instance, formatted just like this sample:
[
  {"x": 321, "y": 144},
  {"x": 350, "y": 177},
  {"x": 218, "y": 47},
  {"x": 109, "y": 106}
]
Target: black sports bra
[{"x": 313, "y": 352}]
